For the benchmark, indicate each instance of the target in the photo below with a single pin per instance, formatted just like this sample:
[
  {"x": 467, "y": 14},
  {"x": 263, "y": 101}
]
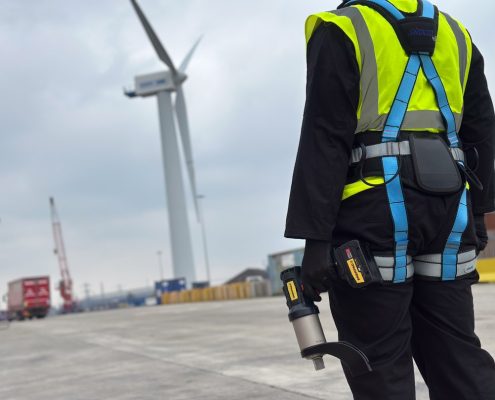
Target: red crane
[{"x": 65, "y": 285}]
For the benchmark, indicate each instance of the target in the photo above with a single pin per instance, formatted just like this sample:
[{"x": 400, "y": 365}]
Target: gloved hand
[
  {"x": 317, "y": 268},
  {"x": 479, "y": 222}
]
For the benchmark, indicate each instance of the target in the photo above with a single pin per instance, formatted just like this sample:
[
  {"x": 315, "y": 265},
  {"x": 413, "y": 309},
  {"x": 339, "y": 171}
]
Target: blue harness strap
[
  {"x": 442, "y": 100},
  {"x": 428, "y": 9},
  {"x": 401, "y": 102},
  {"x": 389, "y": 7},
  {"x": 391, "y": 164},
  {"x": 451, "y": 251},
  {"x": 399, "y": 216}
]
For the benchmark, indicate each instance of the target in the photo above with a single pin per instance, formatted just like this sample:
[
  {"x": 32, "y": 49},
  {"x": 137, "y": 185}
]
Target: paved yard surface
[{"x": 210, "y": 351}]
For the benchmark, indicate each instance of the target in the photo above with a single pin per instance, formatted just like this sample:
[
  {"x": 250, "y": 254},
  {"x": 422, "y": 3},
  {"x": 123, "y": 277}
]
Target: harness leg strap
[{"x": 451, "y": 251}]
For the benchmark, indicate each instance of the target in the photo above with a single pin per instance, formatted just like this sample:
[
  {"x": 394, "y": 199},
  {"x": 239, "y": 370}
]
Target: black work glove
[
  {"x": 317, "y": 268},
  {"x": 479, "y": 223}
]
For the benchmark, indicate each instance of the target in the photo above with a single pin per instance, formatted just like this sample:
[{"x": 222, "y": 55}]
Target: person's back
[{"x": 397, "y": 114}]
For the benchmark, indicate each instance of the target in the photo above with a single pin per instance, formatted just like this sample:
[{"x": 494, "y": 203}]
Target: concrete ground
[{"x": 229, "y": 350}]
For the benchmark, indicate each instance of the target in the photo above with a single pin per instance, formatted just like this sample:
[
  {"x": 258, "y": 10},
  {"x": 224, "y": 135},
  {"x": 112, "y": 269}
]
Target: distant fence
[{"x": 234, "y": 291}]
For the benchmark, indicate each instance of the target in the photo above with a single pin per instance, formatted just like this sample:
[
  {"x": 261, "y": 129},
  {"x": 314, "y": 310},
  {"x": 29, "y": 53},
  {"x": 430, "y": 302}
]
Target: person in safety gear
[{"x": 397, "y": 152}]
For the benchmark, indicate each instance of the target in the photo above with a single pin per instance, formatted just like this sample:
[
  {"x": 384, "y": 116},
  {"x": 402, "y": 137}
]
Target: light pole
[
  {"x": 160, "y": 263},
  {"x": 203, "y": 232}
]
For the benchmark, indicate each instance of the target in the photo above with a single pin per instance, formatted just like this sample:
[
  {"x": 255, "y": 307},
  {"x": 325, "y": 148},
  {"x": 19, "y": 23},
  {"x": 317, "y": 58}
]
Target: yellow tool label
[
  {"x": 356, "y": 273},
  {"x": 291, "y": 287}
]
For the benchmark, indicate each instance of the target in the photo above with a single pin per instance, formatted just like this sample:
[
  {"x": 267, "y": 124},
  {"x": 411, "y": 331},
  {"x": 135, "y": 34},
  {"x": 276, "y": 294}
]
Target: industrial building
[{"x": 277, "y": 262}]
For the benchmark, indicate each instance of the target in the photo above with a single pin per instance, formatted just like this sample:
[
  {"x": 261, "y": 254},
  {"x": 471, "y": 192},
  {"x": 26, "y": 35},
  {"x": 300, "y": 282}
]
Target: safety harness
[{"x": 417, "y": 35}]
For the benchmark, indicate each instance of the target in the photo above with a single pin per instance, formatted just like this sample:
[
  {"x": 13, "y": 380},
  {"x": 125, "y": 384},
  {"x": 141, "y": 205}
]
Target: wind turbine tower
[{"x": 163, "y": 85}]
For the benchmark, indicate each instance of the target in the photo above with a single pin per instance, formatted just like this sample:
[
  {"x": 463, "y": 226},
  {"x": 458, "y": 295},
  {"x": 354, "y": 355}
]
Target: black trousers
[
  {"x": 429, "y": 320},
  {"x": 432, "y": 321}
]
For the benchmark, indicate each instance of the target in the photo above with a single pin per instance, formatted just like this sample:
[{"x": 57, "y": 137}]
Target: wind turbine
[{"x": 162, "y": 85}]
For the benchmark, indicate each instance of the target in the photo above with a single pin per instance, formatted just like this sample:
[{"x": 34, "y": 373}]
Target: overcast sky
[{"x": 68, "y": 132}]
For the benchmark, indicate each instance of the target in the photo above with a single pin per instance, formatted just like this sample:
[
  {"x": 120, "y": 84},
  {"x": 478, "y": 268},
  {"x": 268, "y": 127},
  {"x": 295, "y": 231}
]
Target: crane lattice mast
[{"x": 65, "y": 285}]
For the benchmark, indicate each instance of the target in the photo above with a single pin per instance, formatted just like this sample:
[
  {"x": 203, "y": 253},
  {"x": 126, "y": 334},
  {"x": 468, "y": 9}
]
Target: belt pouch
[
  {"x": 435, "y": 169},
  {"x": 356, "y": 264}
]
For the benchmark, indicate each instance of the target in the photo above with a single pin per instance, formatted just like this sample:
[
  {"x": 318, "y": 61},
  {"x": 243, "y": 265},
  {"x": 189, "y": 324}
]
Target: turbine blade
[
  {"x": 160, "y": 50},
  {"x": 189, "y": 55},
  {"x": 181, "y": 111}
]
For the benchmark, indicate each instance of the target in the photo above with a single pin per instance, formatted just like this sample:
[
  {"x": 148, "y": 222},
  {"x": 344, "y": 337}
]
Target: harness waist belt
[{"x": 394, "y": 149}]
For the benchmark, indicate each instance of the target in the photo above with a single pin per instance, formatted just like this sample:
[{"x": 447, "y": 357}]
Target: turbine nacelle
[{"x": 151, "y": 84}]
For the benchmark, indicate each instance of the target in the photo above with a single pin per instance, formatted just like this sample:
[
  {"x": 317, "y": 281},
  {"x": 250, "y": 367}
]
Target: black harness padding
[
  {"x": 416, "y": 34},
  {"x": 430, "y": 167},
  {"x": 436, "y": 170}
]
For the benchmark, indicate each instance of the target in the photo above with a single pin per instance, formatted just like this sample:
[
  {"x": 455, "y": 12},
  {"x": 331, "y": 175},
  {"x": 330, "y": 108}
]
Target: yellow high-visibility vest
[{"x": 382, "y": 61}]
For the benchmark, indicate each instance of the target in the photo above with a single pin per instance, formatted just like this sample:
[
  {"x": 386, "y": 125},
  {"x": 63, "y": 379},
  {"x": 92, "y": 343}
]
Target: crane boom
[{"x": 65, "y": 285}]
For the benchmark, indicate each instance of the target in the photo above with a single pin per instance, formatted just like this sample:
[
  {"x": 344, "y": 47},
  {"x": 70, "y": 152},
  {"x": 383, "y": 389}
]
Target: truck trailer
[{"x": 28, "y": 298}]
